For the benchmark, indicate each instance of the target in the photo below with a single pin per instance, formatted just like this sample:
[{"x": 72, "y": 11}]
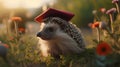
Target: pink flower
[
  {"x": 115, "y": 1},
  {"x": 103, "y": 10},
  {"x": 110, "y": 11}
]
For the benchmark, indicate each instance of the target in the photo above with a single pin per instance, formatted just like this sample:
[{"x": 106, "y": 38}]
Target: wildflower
[
  {"x": 15, "y": 23},
  {"x": 103, "y": 10},
  {"x": 21, "y": 29},
  {"x": 90, "y": 24},
  {"x": 103, "y": 49},
  {"x": 115, "y": 1},
  {"x": 110, "y": 11},
  {"x": 103, "y": 25},
  {"x": 94, "y": 25},
  {"x": 16, "y": 19},
  {"x": 11, "y": 38},
  {"x": 5, "y": 45},
  {"x": 94, "y": 11}
]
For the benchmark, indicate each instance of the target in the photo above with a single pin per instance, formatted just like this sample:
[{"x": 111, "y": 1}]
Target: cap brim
[{"x": 54, "y": 13}]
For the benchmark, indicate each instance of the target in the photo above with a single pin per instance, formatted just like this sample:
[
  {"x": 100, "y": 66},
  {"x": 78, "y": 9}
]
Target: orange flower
[
  {"x": 103, "y": 10},
  {"x": 21, "y": 29},
  {"x": 103, "y": 49},
  {"x": 5, "y": 45},
  {"x": 16, "y": 19},
  {"x": 11, "y": 38},
  {"x": 94, "y": 25}
]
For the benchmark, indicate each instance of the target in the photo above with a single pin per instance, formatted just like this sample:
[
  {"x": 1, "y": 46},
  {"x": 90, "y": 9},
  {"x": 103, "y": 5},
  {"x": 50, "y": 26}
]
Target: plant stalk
[
  {"x": 16, "y": 27},
  {"x": 111, "y": 23},
  {"x": 98, "y": 35},
  {"x": 117, "y": 7}
]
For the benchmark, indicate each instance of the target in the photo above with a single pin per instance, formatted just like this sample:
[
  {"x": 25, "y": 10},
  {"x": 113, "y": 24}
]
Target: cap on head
[{"x": 54, "y": 13}]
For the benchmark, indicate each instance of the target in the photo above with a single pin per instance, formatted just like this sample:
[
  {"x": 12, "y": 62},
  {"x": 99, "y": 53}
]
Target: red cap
[{"x": 54, "y": 13}]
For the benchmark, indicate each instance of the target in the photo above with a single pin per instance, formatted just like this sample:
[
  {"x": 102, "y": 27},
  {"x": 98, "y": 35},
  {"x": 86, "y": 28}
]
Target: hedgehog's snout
[
  {"x": 43, "y": 35},
  {"x": 39, "y": 34}
]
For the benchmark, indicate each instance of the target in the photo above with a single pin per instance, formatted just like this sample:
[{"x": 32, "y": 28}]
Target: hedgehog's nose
[{"x": 39, "y": 34}]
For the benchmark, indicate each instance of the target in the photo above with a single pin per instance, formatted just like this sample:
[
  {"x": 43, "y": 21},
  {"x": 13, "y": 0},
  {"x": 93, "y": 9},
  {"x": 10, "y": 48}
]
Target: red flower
[
  {"x": 5, "y": 45},
  {"x": 94, "y": 25},
  {"x": 103, "y": 49},
  {"x": 21, "y": 29},
  {"x": 103, "y": 10},
  {"x": 110, "y": 11},
  {"x": 16, "y": 19}
]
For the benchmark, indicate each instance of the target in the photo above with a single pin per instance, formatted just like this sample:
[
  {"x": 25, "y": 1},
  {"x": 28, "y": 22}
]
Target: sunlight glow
[
  {"x": 43, "y": 47},
  {"x": 25, "y": 3}
]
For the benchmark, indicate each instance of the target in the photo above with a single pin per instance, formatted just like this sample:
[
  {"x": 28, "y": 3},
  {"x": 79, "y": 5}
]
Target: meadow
[{"x": 102, "y": 37}]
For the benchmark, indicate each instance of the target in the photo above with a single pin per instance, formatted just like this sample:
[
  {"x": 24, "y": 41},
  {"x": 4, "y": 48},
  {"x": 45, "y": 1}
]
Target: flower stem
[
  {"x": 98, "y": 34},
  {"x": 16, "y": 32},
  {"x": 113, "y": 37},
  {"x": 117, "y": 7},
  {"x": 7, "y": 28},
  {"x": 111, "y": 23},
  {"x": 97, "y": 17}
]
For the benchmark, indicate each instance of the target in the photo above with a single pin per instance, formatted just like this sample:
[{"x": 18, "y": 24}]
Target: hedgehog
[{"x": 57, "y": 36}]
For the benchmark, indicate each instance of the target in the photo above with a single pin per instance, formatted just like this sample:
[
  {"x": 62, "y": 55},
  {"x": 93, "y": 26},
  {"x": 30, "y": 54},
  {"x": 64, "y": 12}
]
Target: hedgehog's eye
[{"x": 50, "y": 29}]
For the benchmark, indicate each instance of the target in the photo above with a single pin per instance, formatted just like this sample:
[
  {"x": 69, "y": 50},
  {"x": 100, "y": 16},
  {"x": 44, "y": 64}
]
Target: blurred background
[{"x": 29, "y": 9}]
